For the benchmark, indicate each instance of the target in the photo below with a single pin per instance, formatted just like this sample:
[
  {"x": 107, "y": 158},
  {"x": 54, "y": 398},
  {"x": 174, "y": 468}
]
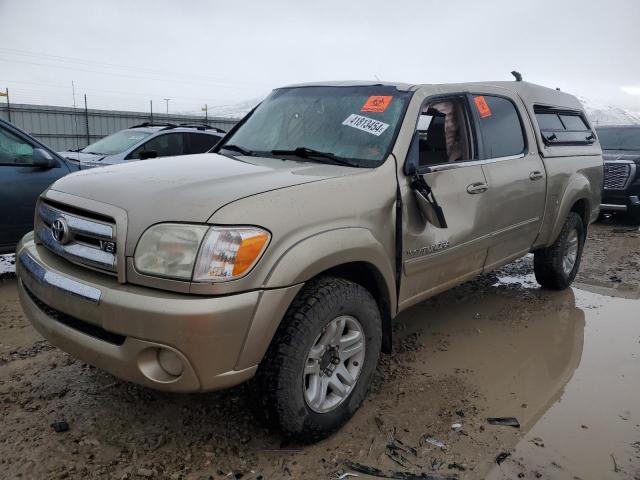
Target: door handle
[
  {"x": 478, "y": 187},
  {"x": 535, "y": 175}
]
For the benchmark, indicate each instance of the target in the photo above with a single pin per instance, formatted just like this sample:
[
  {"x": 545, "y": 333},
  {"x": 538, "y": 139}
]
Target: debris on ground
[
  {"x": 616, "y": 468},
  {"x": 399, "y": 452},
  {"x": 456, "y": 427},
  {"x": 60, "y": 427},
  {"x": 433, "y": 441},
  {"x": 376, "y": 472},
  {"x": 457, "y": 466},
  {"x": 504, "y": 421},
  {"x": 502, "y": 457},
  {"x": 338, "y": 476}
]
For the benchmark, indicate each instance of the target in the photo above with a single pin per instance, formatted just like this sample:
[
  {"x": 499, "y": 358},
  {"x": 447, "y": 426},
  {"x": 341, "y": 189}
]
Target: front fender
[{"x": 329, "y": 249}]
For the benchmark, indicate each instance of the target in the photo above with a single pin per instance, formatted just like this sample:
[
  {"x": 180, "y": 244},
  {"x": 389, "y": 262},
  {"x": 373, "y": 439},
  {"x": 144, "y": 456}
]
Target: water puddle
[{"x": 565, "y": 364}]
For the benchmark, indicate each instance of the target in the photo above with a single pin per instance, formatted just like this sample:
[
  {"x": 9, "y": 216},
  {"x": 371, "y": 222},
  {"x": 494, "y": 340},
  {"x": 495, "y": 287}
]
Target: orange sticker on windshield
[
  {"x": 377, "y": 103},
  {"x": 481, "y": 105}
]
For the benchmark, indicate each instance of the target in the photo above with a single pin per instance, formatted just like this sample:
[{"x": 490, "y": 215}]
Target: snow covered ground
[{"x": 7, "y": 264}]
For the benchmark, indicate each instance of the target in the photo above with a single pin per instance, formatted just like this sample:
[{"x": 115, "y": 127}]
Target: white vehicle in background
[{"x": 145, "y": 141}]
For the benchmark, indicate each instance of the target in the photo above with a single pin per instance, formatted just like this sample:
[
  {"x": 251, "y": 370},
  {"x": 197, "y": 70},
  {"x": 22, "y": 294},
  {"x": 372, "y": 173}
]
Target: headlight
[
  {"x": 199, "y": 252},
  {"x": 169, "y": 250}
]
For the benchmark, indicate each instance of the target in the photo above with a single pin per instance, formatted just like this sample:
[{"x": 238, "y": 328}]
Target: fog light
[{"x": 170, "y": 362}]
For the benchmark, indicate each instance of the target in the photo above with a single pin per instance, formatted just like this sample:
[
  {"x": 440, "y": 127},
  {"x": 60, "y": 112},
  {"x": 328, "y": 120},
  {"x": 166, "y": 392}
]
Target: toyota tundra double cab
[{"x": 287, "y": 251}]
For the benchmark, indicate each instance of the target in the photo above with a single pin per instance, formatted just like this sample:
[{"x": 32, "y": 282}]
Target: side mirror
[
  {"x": 425, "y": 199},
  {"x": 430, "y": 212},
  {"x": 144, "y": 154},
  {"x": 43, "y": 159}
]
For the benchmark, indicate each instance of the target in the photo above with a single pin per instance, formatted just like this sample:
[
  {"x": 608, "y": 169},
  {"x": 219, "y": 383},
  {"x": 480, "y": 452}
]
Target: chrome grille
[
  {"x": 616, "y": 175},
  {"x": 77, "y": 238}
]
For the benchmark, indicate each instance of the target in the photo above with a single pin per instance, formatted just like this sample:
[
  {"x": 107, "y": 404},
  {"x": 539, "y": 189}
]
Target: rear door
[
  {"x": 21, "y": 183},
  {"x": 515, "y": 174}
]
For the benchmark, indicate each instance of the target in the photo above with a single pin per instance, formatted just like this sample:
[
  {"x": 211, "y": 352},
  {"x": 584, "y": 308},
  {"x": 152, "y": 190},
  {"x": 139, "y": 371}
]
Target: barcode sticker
[{"x": 366, "y": 124}]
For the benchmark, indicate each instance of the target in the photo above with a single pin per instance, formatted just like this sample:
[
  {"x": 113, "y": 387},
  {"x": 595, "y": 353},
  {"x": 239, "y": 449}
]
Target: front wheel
[
  {"x": 321, "y": 361},
  {"x": 557, "y": 265}
]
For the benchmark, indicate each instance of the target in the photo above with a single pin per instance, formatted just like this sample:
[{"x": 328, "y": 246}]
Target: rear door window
[
  {"x": 164, "y": 145},
  {"x": 201, "y": 142},
  {"x": 500, "y": 126}
]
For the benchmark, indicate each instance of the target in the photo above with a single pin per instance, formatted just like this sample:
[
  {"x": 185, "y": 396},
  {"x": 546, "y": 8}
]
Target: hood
[
  {"x": 83, "y": 160},
  {"x": 81, "y": 157},
  {"x": 189, "y": 188},
  {"x": 615, "y": 155}
]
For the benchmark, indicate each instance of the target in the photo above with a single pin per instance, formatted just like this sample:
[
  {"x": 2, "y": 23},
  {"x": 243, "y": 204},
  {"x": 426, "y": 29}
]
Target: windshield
[
  {"x": 116, "y": 143},
  {"x": 354, "y": 124},
  {"x": 619, "y": 138}
]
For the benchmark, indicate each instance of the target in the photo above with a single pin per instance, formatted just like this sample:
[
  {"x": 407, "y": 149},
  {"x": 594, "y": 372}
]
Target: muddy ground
[{"x": 565, "y": 364}]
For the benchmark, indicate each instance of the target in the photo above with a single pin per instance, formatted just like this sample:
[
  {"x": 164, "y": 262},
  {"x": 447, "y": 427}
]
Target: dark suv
[
  {"x": 621, "y": 148},
  {"x": 147, "y": 140}
]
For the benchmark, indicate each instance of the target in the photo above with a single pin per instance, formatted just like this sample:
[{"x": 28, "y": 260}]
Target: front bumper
[
  {"x": 121, "y": 328},
  {"x": 621, "y": 203}
]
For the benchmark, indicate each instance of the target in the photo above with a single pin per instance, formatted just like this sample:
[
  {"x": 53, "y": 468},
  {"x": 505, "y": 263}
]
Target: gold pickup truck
[{"x": 287, "y": 251}]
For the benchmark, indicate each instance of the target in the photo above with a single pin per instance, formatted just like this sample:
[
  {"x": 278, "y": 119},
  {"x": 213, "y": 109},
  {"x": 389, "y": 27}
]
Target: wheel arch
[
  {"x": 368, "y": 276},
  {"x": 576, "y": 198},
  {"x": 351, "y": 253}
]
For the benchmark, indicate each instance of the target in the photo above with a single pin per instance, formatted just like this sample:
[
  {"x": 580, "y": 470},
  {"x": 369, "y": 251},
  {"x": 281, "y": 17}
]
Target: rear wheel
[
  {"x": 321, "y": 361},
  {"x": 557, "y": 266}
]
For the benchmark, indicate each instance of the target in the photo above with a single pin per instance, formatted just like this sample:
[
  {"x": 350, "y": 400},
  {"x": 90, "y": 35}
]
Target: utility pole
[
  {"x": 86, "y": 119},
  {"x": 75, "y": 113},
  {"x": 167, "y": 100},
  {"x": 6, "y": 94},
  {"x": 206, "y": 114},
  {"x": 151, "y": 105}
]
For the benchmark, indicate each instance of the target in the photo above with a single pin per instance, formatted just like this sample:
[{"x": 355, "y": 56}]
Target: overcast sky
[{"x": 124, "y": 53}]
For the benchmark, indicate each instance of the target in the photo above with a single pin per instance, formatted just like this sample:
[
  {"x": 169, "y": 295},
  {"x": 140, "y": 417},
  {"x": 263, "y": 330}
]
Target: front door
[
  {"x": 21, "y": 183},
  {"x": 435, "y": 259}
]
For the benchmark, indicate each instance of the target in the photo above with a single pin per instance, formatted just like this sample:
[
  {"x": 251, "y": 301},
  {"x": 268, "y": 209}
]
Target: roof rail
[
  {"x": 202, "y": 126},
  {"x": 149, "y": 124}
]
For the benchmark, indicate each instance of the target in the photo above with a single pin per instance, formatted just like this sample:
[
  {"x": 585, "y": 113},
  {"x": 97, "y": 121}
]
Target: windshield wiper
[
  {"x": 239, "y": 149},
  {"x": 306, "y": 152}
]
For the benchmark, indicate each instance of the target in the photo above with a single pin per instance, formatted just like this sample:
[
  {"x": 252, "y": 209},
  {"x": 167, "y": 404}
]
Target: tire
[
  {"x": 283, "y": 380},
  {"x": 550, "y": 264}
]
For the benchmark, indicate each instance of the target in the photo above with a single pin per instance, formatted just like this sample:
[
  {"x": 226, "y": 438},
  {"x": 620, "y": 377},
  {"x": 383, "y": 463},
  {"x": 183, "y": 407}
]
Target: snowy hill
[
  {"x": 601, "y": 114},
  {"x": 236, "y": 110}
]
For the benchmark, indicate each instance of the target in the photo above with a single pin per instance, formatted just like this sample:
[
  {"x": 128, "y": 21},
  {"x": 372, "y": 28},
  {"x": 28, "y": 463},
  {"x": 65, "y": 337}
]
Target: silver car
[{"x": 145, "y": 141}]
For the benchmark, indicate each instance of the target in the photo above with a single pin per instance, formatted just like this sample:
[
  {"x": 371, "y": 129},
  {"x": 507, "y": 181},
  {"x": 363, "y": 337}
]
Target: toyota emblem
[{"x": 60, "y": 231}]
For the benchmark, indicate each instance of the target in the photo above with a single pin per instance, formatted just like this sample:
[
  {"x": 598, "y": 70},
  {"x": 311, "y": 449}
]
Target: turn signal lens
[
  {"x": 249, "y": 251},
  {"x": 228, "y": 253}
]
